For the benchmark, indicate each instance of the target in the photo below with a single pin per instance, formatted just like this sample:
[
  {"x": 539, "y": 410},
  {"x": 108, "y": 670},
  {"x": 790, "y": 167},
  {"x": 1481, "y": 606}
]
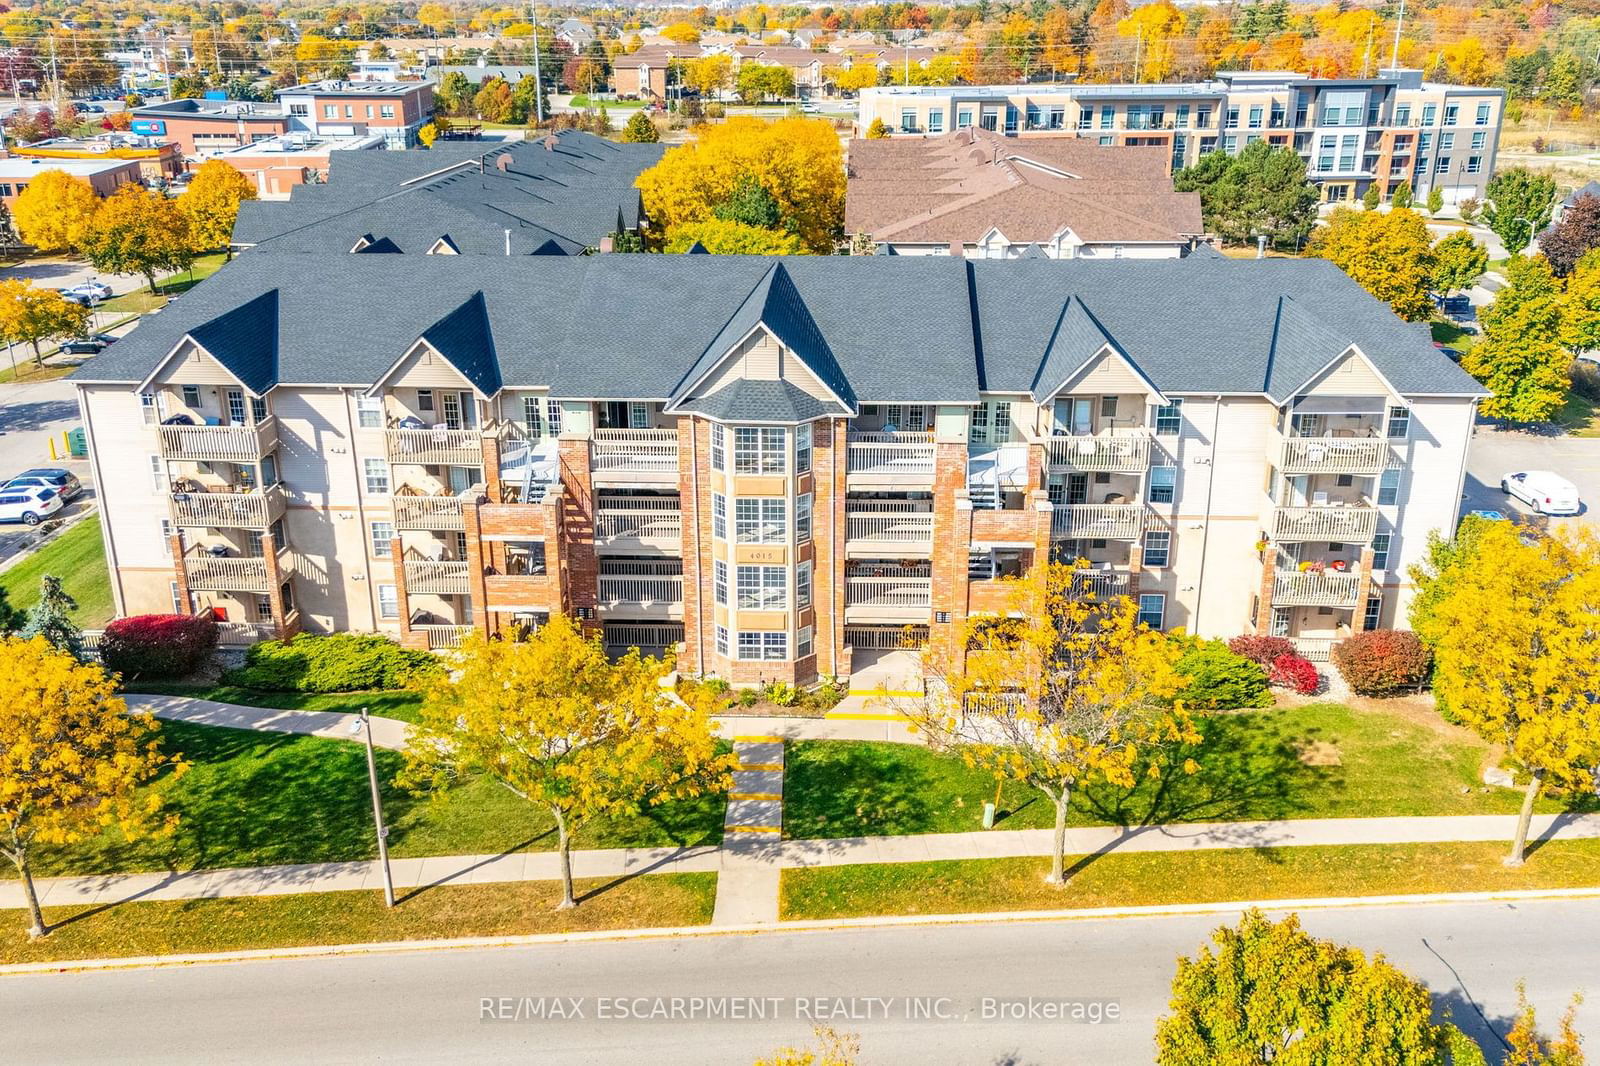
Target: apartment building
[
  {"x": 775, "y": 468},
  {"x": 1352, "y": 132}
]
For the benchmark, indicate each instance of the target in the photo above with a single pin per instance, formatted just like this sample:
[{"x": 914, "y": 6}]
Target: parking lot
[
  {"x": 31, "y": 415},
  {"x": 1497, "y": 452}
]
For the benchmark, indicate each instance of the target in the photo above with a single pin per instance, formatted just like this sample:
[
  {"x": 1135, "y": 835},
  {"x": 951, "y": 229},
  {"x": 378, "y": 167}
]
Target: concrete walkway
[
  {"x": 752, "y": 865},
  {"x": 747, "y": 887},
  {"x": 386, "y": 732}
]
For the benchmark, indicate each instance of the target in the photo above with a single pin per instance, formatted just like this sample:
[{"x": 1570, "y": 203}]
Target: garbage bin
[{"x": 77, "y": 444}]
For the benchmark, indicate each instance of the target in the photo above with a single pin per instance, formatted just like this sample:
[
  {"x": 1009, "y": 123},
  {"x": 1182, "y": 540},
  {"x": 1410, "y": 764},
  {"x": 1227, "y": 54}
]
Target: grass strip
[
  {"x": 1150, "y": 878},
  {"x": 201, "y": 925},
  {"x": 78, "y": 557}
]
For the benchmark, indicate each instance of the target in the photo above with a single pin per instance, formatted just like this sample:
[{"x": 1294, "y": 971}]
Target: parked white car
[
  {"x": 28, "y": 504},
  {"x": 93, "y": 291},
  {"x": 1544, "y": 491}
]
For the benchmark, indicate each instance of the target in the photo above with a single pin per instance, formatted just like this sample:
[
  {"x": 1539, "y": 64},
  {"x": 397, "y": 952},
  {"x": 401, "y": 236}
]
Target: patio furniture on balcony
[
  {"x": 238, "y": 443},
  {"x": 1120, "y": 452}
]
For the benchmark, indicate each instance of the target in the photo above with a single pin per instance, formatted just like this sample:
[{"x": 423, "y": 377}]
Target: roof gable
[
  {"x": 245, "y": 341},
  {"x": 1077, "y": 341},
  {"x": 464, "y": 339}
]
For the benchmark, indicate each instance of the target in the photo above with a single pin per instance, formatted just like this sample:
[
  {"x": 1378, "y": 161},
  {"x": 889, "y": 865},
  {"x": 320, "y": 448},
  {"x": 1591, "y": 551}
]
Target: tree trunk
[
  {"x": 564, "y": 843},
  {"x": 1058, "y": 849},
  {"x": 1519, "y": 843},
  {"x": 38, "y": 929},
  {"x": 38, "y": 359},
  {"x": 151, "y": 278}
]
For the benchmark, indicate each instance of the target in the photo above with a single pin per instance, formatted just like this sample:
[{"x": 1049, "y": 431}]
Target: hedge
[
  {"x": 151, "y": 646},
  {"x": 1382, "y": 662},
  {"x": 343, "y": 662},
  {"x": 1219, "y": 679},
  {"x": 1298, "y": 673}
]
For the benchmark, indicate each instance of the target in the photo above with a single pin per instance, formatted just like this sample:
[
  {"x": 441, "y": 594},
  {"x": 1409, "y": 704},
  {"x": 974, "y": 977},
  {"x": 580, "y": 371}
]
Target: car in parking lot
[
  {"x": 64, "y": 482},
  {"x": 1452, "y": 354},
  {"x": 1543, "y": 490},
  {"x": 94, "y": 290},
  {"x": 75, "y": 297},
  {"x": 29, "y": 505},
  {"x": 93, "y": 344}
]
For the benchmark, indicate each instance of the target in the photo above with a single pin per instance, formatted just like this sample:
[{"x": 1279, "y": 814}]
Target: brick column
[
  {"x": 491, "y": 468},
  {"x": 179, "y": 574},
  {"x": 1358, "y": 617},
  {"x": 402, "y": 596},
  {"x": 1264, "y": 599},
  {"x": 694, "y": 502},
  {"x": 952, "y": 545},
  {"x": 830, "y": 466},
  {"x": 477, "y": 591},
  {"x": 280, "y": 615},
  {"x": 1135, "y": 568},
  {"x": 577, "y": 521},
  {"x": 1043, "y": 512}
]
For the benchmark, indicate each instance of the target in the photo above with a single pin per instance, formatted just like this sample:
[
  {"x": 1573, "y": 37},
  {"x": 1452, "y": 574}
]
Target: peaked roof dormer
[
  {"x": 463, "y": 339},
  {"x": 1303, "y": 346},
  {"x": 244, "y": 341},
  {"x": 1077, "y": 341},
  {"x": 776, "y": 306}
]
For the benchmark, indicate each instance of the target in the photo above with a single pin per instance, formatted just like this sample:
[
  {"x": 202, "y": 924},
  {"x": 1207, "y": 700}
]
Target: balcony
[
  {"x": 221, "y": 573},
  {"x": 1352, "y": 524},
  {"x": 435, "y": 513},
  {"x": 1106, "y": 584},
  {"x": 228, "y": 510},
  {"x": 888, "y": 529},
  {"x": 443, "y": 637},
  {"x": 434, "y": 447},
  {"x": 1119, "y": 453},
  {"x": 634, "y": 457},
  {"x": 242, "y": 443},
  {"x": 1307, "y": 588},
  {"x": 639, "y": 523},
  {"x": 642, "y": 595},
  {"x": 1098, "y": 521},
  {"x": 438, "y": 577},
  {"x": 1334, "y": 455},
  {"x": 890, "y": 459},
  {"x": 887, "y": 599}
]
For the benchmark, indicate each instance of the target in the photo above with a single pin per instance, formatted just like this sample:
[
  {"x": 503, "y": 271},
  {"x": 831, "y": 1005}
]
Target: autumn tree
[
  {"x": 1372, "y": 197},
  {"x": 1271, "y": 992},
  {"x": 758, "y": 82},
  {"x": 1526, "y": 1047},
  {"x": 1435, "y": 201},
  {"x": 1520, "y": 357},
  {"x": 492, "y": 102},
  {"x": 878, "y": 130},
  {"x": 1067, "y": 690},
  {"x": 72, "y": 758},
  {"x": 1577, "y": 233},
  {"x": 1153, "y": 27},
  {"x": 55, "y": 210},
  {"x": 727, "y": 237},
  {"x": 640, "y": 130},
  {"x": 29, "y": 315},
  {"x": 1458, "y": 262},
  {"x": 682, "y": 33},
  {"x": 1517, "y": 654},
  {"x": 833, "y": 1048},
  {"x": 559, "y": 724},
  {"x": 1388, "y": 253},
  {"x": 212, "y": 201},
  {"x": 427, "y": 133},
  {"x": 707, "y": 75},
  {"x": 1580, "y": 312},
  {"x": 1402, "y": 195},
  {"x": 1520, "y": 203},
  {"x": 139, "y": 231},
  {"x": 796, "y": 159}
]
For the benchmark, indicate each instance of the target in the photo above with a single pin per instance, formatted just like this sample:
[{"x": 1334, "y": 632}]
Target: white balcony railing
[
  {"x": 1334, "y": 455},
  {"x": 212, "y": 573},
  {"x": 228, "y": 510},
  {"x": 1337, "y": 524},
  {"x": 888, "y": 592},
  {"x": 651, "y": 452},
  {"x": 641, "y": 590},
  {"x": 440, "y": 637},
  {"x": 1315, "y": 649},
  {"x": 1098, "y": 521},
  {"x": 1305, "y": 588},
  {"x": 891, "y": 455},
  {"x": 889, "y": 526},
  {"x": 439, "y": 577},
  {"x": 1125, "y": 452},
  {"x": 427, "y": 512},
  {"x": 1102, "y": 584},
  {"x": 240, "y": 443},
  {"x": 648, "y": 520},
  {"x": 435, "y": 447}
]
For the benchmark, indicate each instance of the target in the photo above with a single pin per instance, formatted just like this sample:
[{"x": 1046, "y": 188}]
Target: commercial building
[
  {"x": 278, "y": 165},
  {"x": 1352, "y": 132},
  {"x": 107, "y": 176},
  {"x": 156, "y": 159},
  {"x": 771, "y": 467},
  {"x": 985, "y": 196}
]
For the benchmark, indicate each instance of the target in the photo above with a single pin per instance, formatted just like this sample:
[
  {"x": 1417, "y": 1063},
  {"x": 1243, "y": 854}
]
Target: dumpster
[{"x": 77, "y": 444}]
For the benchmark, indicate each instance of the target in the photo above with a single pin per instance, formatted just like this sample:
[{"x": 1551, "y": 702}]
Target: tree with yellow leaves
[
  {"x": 1512, "y": 626},
  {"x": 559, "y": 724},
  {"x": 1152, "y": 27},
  {"x": 55, "y": 210},
  {"x": 682, "y": 33},
  {"x": 1066, "y": 690},
  {"x": 138, "y": 231},
  {"x": 833, "y": 1049},
  {"x": 211, "y": 204},
  {"x": 1525, "y": 1047},
  {"x": 797, "y": 160},
  {"x": 708, "y": 75},
  {"x": 72, "y": 758},
  {"x": 860, "y": 74},
  {"x": 29, "y": 315}
]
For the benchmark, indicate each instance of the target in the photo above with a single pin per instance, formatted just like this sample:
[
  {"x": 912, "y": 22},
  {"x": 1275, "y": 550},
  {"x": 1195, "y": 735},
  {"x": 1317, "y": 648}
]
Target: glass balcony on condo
[
  {"x": 633, "y": 444},
  {"x": 1325, "y": 507},
  {"x": 224, "y": 495},
  {"x": 1100, "y": 434},
  {"x": 1336, "y": 441},
  {"x": 883, "y": 523},
  {"x": 641, "y": 588},
  {"x": 638, "y": 521},
  {"x": 891, "y": 445},
  {"x": 887, "y": 590}
]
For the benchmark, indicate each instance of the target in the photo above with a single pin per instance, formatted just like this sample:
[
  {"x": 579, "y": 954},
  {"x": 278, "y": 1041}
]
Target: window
[
  {"x": 1231, "y": 120},
  {"x": 254, "y": 544},
  {"x": 1108, "y": 117},
  {"x": 963, "y": 119},
  {"x": 1058, "y": 117},
  {"x": 382, "y": 535},
  {"x": 1477, "y": 141},
  {"x": 802, "y": 585},
  {"x": 1451, "y": 113},
  {"x": 1108, "y": 407},
  {"x": 552, "y": 417},
  {"x": 908, "y": 119},
  {"x": 758, "y": 451},
  {"x": 1347, "y": 151},
  {"x": 1152, "y": 609},
  {"x": 258, "y": 409},
  {"x": 1447, "y": 141},
  {"x": 166, "y": 530},
  {"x": 1352, "y": 116},
  {"x": 1483, "y": 115},
  {"x": 1474, "y": 164},
  {"x": 377, "y": 477},
  {"x": 1424, "y": 141},
  {"x": 1389, "y": 487},
  {"x": 770, "y": 646},
  {"x": 1035, "y": 117},
  {"x": 1402, "y": 115},
  {"x": 1255, "y": 117},
  {"x": 386, "y": 111},
  {"x": 1325, "y": 153},
  {"x": 760, "y": 521},
  {"x": 1157, "y": 547},
  {"x": 1428, "y": 113},
  {"x": 719, "y": 456},
  {"x": 935, "y": 120},
  {"x": 349, "y": 111},
  {"x": 719, "y": 516},
  {"x": 1163, "y": 484},
  {"x": 149, "y": 408},
  {"x": 802, "y": 518},
  {"x": 264, "y": 609},
  {"x": 638, "y": 416},
  {"x": 329, "y": 111},
  {"x": 1202, "y": 118},
  {"x": 1380, "y": 551},
  {"x": 158, "y": 474},
  {"x": 178, "y": 606},
  {"x": 1399, "y": 423},
  {"x": 1169, "y": 419},
  {"x": 802, "y": 448},
  {"x": 369, "y": 412},
  {"x": 388, "y": 602},
  {"x": 722, "y": 640},
  {"x": 1181, "y": 118},
  {"x": 803, "y": 642},
  {"x": 191, "y": 396},
  {"x": 1443, "y": 166},
  {"x": 1085, "y": 118},
  {"x": 1373, "y": 618},
  {"x": 369, "y": 110},
  {"x": 719, "y": 582}
]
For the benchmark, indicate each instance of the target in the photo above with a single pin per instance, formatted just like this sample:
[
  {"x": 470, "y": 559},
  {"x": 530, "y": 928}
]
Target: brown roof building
[{"x": 1008, "y": 198}]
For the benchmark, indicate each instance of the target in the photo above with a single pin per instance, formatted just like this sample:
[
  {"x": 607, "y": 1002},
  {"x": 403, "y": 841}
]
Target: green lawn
[
  {"x": 1578, "y": 416},
  {"x": 1250, "y": 768},
  {"x": 78, "y": 557},
  {"x": 142, "y": 299},
  {"x": 512, "y": 909},
  {"x": 1448, "y": 333},
  {"x": 252, "y": 799},
  {"x": 1153, "y": 878},
  {"x": 406, "y": 706}
]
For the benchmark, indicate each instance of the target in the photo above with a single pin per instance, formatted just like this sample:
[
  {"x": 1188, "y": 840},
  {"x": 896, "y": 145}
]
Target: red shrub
[
  {"x": 1299, "y": 674},
  {"x": 1382, "y": 662},
  {"x": 1263, "y": 651},
  {"x": 153, "y": 646}
]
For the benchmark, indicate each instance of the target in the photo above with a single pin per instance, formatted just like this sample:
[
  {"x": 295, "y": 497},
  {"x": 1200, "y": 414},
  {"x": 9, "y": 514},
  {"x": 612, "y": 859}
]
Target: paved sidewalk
[
  {"x": 386, "y": 732},
  {"x": 898, "y": 732},
  {"x": 747, "y": 887},
  {"x": 757, "y": 862}
]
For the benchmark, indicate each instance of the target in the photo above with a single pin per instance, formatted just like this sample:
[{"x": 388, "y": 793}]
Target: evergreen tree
[{"x": 48, "y": 618}]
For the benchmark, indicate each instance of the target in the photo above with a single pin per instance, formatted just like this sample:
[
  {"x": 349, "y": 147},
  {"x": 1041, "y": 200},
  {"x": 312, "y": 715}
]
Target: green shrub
[
  {"x": 344, "y": 662},
  {"x": 1220, "y": 679},
  {"x": 749, "y": 697},
  {"x": 783, "y": 694},
  {"x": 825, "y": 696}
]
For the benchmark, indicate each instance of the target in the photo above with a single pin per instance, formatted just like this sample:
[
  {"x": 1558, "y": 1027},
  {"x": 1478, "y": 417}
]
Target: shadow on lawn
[{"x": 857, "y": 785}]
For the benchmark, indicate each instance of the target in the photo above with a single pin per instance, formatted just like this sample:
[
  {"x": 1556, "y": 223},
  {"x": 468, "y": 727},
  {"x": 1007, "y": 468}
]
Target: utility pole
[
  {"x": 377, "y": 810},
  {"x": 1366, "y": 60},
  {"x": 1394, "y": 57},
  {"x": 538, "y": 79},
  {"x": 55, "y": 79},
  {"x": 166, "y": 75}
]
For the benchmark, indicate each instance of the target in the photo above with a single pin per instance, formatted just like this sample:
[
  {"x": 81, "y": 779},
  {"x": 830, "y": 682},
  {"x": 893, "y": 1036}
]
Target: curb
[
  {"x": 800, "y": 926},
  {"x": 22, "y": 556}
]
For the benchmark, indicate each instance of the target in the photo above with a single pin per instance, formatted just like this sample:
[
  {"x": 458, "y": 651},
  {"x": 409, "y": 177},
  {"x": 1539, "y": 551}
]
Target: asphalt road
[
  {"x": 1497, "y": 452},
  {"x": 31, "y": 416},
  {"x": 461, "y": 1006}
]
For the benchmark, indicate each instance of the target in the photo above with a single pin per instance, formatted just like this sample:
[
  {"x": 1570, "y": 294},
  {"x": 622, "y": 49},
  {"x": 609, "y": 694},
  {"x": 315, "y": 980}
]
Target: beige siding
[
  {"x": 1351, "y": 375},
  {"x": 762, "y": 358},
  {"x": 192, "y": 365},
  {"x": 425, "y": 368},
  {"x": 1107, "y": 372},
  {"x": 123, "y": 447}
]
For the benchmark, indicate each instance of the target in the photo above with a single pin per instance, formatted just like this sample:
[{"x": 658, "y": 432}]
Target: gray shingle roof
[
  {"x": 763, "y": 401},
  {"x": 466, "y": 341},
  {"x": 914, "y": 329}
]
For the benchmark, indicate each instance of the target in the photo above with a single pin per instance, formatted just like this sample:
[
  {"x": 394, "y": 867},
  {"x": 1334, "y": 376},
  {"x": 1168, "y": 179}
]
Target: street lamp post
[{"x": 365, "y": 726}]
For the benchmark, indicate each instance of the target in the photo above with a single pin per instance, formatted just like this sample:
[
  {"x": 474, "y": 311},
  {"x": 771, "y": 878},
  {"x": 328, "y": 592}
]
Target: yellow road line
[
  {"x": 752, "y": 829},
  {"x": 758, "y": 740}
]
